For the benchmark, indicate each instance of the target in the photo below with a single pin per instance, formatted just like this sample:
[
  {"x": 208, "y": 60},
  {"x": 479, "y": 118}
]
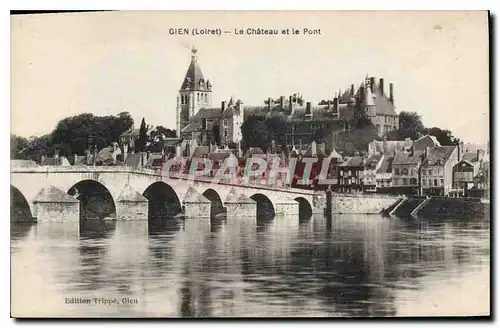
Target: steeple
[{"x": 194, "y": 80}]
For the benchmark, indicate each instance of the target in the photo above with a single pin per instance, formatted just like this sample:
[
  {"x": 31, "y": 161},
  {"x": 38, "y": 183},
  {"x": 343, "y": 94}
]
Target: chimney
[
  {"x": 313, "y": 148},
  {"x": 336, "y": 104},
  {"x": 308, "y": 107},
  {"x": 427, "y": 149},
  {"x": 56, "y": 154},
  {"x": 178, "y": 151},
  {"x": 460, "y": 150},
  {"x": 223, "y": 106},
  {"x": 381, "y": 85},
  {"x": 282, "y": 102},
  {"x": 391, "y": 93},
  {"x": 372, "y": 83},
  {"x": 75, "y": 159},
  {"x": 362, "y": 93},
  {"x": 42, "y": 159},
  {"x": 352, "y": 90}
]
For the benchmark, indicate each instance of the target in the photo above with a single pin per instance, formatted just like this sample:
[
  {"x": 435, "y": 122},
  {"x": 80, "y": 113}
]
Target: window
[
  {"x": 442, "y": 182},
  {"x": 413, "y": 181},
  {"x": 210, "y": 120},
  {"x": 396, "y": 182},
  {"x": 424, "y": 182},
  {"x": 225, "y": 122},
  {"x": 198, "y": 96},
  {"x": 435, "y": 182},
  {"x": 349, "y": 173},
  {"x": 404, "y": 171},
  {"x": 396, "y": 171},
  {"x": 225, "y": 133},
  {"x": 405, "y": 181}
]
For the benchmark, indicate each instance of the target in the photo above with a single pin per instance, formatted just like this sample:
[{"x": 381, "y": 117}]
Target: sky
[{"x": 109, "y": 62}]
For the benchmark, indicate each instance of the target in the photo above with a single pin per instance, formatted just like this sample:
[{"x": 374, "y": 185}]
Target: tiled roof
[
  {"x": 309, "y": 151},
  {"x": 212, "y": 112},
  {"x": 192, "y": 127},
  {"x": 386, "y": 165},
  {"x": 402, "y": 158},
  {"x": 437, "y": 154},
  {"x": 133, "y": 160},
  {"x": 470, "y": 157},
  {"x": 372, "y": 161},
  {"x": 353, "y": 161},
  {"x": 52, "y": 194},
  {"x": 254, "y": 151},
  {"x": 336, "y": 155},
  {"x": 427, "y": 140},
  {"x": 220, "y": 155},
  {"x": 200, "y": 151},
  {"x": 390, "y": 146}
]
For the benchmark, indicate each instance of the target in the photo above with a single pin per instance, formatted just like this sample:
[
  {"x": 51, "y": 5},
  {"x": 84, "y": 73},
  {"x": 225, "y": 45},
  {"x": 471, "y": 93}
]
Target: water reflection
[{"x": 344, "y": 266}]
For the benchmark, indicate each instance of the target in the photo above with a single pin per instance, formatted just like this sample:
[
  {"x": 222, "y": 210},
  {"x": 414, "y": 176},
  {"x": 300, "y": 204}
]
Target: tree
[
  {"x": 278, "y": 129},
  {"x": 410, "y": 125},
  {"x": 17, "y": 145},
  {"x": 140, "y": 143},
  {"x": 168, "y": 133},
  {"x": 255, "y": 133},
  {"x": 215, "y": 134},
  {"x": 320, "y": 134},
  {"x": 75, "y": 134}
]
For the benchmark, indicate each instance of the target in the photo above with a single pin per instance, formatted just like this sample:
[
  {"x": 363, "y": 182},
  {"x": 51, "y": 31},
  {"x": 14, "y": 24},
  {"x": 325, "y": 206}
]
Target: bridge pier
[
  {"x": 287, "y": 208},
  {"x": 319, "y": 202},
  {"x": 240, "y": 206},
  {"x": 54, "y": 205},
  {"x": 195, "y": 205},
  {"x": 131, "y": 205}
]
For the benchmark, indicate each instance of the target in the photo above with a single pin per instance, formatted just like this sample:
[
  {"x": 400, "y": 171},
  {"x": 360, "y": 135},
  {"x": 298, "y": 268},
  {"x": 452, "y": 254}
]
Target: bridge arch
[
  {"x": 96, "y": 201},
  {"x": 163, "y": 200},
  {"x": 20, "y": 208},
  {"x": 217, "y": 207},
  {"x": 305, "y": 208},
  {"x": 265, "y": 207}
]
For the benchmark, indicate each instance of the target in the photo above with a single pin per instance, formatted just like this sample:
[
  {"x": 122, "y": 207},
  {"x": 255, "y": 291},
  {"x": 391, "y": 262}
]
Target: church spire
[{"x": 194, "y": 80}]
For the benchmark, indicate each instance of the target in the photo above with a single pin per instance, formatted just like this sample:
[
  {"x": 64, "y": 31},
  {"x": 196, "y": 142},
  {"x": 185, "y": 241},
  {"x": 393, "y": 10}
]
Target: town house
[
  {"x": 437, "y": 170},
  {"x": 405, "y": 175}
]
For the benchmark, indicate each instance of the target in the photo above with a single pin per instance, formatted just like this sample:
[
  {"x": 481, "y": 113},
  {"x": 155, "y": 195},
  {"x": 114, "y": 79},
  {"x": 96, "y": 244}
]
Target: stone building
[
  {"x": 437, "y": 170},
  {"x": 405, "y": 172},
  {"x": 467, "y": 171},
  {"x": 198, "y": 119}
]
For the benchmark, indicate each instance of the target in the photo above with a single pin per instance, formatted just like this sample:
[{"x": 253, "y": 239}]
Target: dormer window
[{"x": 202, "y": 82}]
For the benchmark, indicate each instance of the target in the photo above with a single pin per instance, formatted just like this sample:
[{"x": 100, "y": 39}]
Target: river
[{"x": 354, "y": 266}]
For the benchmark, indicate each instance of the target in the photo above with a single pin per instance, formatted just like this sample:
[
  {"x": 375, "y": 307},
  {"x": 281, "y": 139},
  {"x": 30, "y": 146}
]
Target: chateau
[{"x": 200, "y": 122}]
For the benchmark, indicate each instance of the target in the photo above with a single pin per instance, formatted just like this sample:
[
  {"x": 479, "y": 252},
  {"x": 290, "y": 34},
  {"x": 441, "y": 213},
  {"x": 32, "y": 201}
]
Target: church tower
[{"x": 195, "y": 93}]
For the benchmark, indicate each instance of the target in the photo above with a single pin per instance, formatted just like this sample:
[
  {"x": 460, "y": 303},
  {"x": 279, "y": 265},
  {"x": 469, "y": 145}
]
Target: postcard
[{"x": 245, "y": 164}]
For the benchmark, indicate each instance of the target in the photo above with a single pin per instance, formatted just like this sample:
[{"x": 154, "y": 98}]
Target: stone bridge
[{"x": 55, "y": 193}]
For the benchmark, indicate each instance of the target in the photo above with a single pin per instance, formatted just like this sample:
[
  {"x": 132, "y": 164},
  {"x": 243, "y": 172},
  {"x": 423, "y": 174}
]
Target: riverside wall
[{"x": 361, "y": 204}]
